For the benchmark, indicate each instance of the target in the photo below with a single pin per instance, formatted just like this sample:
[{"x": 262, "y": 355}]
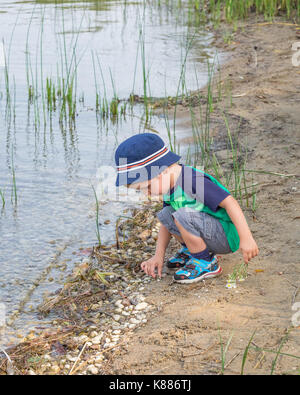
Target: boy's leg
[
  {"x": 183, "y": 255},
  {"x": 204, "y": 236},
  {"x": 200, "y": 230},
  {"x": 194, "y": 243}
]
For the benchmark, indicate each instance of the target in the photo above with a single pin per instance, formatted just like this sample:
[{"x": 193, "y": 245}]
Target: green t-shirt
[{"x": 200, "y": 191}]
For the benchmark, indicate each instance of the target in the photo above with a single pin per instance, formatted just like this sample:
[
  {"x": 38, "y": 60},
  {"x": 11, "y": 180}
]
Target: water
[{"x": 56, "y": 164}]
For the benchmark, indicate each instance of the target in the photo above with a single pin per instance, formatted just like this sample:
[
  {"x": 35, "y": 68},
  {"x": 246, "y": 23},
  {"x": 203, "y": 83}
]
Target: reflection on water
[{"x": 88, "y": 48}]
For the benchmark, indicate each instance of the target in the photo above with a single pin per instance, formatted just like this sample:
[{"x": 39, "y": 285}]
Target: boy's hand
[
  {"x": 249, "y": 249},
  {"x": 151, "y": 264}
]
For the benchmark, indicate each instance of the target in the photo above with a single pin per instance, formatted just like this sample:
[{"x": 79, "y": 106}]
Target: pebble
[
  {"x": 55, "y": 369},
  {"x": 92, "y": 369},
  {"x": 131, "y": 326},
  {"x": 141, "y": 306},
  {"x": 70, "y": 358},
  {"x": 126, "y": 313},
  {"x": 116, "y": 317},
  {"x": 134, "y": 321},
  {"x": 97, "y": 339}
]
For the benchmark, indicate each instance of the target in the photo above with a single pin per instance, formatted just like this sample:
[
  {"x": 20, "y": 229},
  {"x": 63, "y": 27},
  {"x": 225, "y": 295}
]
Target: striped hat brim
[{"x": 147, "y": 168}]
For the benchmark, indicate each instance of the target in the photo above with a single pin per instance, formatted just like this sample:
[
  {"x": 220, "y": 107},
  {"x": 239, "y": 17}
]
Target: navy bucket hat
[{"x": 141, "y": 158}]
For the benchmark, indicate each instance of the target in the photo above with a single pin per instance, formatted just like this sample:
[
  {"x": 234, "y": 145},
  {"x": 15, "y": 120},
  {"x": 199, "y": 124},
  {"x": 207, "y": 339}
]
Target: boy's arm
[
  {"x": 157, "y": 261},
  {"x": 248, "y": 245}
]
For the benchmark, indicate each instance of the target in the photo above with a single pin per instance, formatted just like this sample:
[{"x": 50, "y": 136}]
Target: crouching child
[{"x": 197, "y": 210}]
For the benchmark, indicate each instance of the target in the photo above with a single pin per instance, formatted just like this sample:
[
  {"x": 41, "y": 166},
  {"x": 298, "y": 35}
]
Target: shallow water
[{"x": 55, "y": 165}]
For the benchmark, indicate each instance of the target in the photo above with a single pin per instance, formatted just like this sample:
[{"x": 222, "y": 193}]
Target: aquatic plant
[
  {"x": 2, "y": 197},
  {"x": 97, "y": 217}
]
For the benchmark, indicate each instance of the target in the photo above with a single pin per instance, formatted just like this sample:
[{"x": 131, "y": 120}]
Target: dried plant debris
[{"x": 97, "y": 309}]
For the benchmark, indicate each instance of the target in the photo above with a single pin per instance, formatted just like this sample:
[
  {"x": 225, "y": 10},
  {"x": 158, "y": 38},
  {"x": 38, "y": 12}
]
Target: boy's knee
[
  {"x": 165, "y": 217},
  {"x": 183, "y": 216}
]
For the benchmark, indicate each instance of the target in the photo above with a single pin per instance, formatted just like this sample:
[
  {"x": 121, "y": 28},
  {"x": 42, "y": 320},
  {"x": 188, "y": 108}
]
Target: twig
[
  {"x": 232, "y": 359},
  {"x": 260, "y": 360},
  {"x": 10, "y": 369},
  {"x": 109, "y": 258},
  {"x": 75, "y": 363},
  {"x": 295, "y": 294}
]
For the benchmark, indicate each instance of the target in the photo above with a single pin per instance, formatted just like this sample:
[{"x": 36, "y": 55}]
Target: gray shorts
[{"x": 199, "y": 224}]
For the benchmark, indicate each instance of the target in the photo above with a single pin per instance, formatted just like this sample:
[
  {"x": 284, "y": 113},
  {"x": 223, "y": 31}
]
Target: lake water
[{"x": 53, "y": 162}]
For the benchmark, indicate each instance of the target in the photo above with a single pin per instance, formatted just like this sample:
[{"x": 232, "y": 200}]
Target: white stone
[
  {"x": 70, "y": 358},
  {"x": 131, "y": 326},
  {"x": 119, "y": 304},
  {"x": 134, "y": 321},
  {"x": 141, "y": 306},
  {"x": 92, "y": 369},
  {"x": 97, "y": 339},
  {"x": 126, "y": 313}
]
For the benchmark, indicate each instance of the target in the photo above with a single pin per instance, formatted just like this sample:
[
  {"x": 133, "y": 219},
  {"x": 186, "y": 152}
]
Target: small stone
[
  {"x": 141, "y": 306},
  {"x": 99, "y": 358},
  {"x": 55, "y": 369},
  {"x": 126, "y": 313},
  {"x": 97, "y": 339},
  {"x": 83, "y": 338},
  {"x": 119, "y": 304},
  {"x": 134, "y": 321},
  {"x": 116, "y": 332},
  {"x": 93, "y": 334},
  {"x": 70, "y": 358},
  {"x": 131, "y": 326},
  {"x": 92, "y": 369},
  {"x": 116, "y": 317}
]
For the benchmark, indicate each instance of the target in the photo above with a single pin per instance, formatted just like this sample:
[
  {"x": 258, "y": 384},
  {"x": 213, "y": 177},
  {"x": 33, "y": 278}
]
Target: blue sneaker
[
  {"x": 198, "y": 269},
  {"x": 179, "y": 259}
]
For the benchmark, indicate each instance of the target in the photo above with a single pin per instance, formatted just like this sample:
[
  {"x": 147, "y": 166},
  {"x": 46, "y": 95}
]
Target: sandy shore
[
  {"x": 160, "y": 327},
  {"x": 184, "y": 335}
]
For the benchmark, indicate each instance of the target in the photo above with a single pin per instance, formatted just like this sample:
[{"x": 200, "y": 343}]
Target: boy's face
[{"x": 157, "y": 186}]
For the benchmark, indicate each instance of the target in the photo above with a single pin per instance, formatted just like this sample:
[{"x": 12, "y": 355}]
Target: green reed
[
  {"x": 97, "y": 217},
  {"x": 234, "y": 10},
  {"x": 2, "y": 197},
  {"x": 14, "y": 195},
  {"x": 224, "y": 350}
]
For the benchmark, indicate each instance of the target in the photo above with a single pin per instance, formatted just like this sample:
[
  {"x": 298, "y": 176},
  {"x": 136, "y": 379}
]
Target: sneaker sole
[
  {"x": 175, "y": 268},
  {"x": 216, "y": 273}
]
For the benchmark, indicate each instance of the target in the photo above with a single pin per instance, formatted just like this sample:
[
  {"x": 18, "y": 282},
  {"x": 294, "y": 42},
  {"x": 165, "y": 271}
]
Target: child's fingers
[{"x": 159, "y": 270}]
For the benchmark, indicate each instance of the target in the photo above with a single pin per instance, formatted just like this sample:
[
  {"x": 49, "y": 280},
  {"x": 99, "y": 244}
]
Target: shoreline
[{"x": 165, "y": 343}]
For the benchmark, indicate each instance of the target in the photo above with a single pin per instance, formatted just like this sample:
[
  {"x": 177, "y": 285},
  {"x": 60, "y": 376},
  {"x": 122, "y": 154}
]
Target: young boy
[{"x": 198, "y": 211}]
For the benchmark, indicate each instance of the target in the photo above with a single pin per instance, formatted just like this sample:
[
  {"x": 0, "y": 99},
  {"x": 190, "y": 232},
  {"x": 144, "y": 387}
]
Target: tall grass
[
  {"x": 2, "y": 197},
  {"x": 14, "y": 195},
  {"x": 97, "y": 217},
  {"x": 224, "y": 350},
  {"x": 233, "y": 10}
]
